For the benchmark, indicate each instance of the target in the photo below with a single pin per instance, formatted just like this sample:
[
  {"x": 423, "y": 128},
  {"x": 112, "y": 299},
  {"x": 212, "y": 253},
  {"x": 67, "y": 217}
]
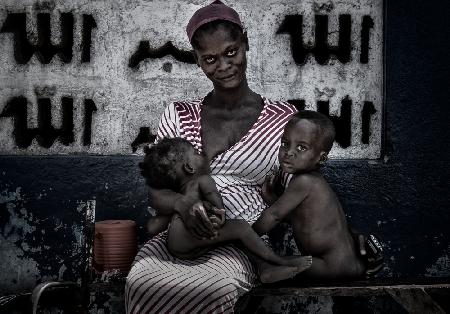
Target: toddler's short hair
[
  {"x": 327, "y": 132},
  {"x": 159, "y": 165}
]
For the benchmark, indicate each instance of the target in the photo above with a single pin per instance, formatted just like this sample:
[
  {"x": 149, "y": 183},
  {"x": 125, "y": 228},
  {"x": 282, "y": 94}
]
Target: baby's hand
[{"x": 217, "y": 217}]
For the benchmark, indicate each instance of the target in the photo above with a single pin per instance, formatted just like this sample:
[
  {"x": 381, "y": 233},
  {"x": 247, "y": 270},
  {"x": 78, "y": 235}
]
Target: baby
[
  {"x": 308, "y": 203},
  {"x": 175, "y": 164}
]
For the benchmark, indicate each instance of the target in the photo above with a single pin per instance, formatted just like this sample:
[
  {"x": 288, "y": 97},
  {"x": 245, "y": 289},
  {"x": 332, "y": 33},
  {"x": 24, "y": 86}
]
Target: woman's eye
[{"x": 231, "y": 53}]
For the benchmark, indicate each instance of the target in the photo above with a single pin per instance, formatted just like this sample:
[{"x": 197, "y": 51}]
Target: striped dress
[{"x": 161, "y": 283}]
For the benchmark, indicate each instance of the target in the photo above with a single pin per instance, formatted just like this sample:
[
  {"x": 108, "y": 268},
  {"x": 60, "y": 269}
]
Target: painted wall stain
[
  {"x": 440, "y": 268},
  {"x": 36, "y": 248}
]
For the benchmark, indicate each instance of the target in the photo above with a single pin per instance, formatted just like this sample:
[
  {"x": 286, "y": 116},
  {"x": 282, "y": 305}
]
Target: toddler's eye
[
  {"x": 231, "y": 53},
  {"x": 210, "y": 60},
  {"x": 283, "y": 144},
  {"x": 301, "y": 148}
]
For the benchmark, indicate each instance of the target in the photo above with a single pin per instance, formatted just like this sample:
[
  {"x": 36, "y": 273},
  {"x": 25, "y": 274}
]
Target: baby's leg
[
  {"x": 269, "y": 273},
  {"x": 158, "y": 224},
  {"x": 237, "y": 229},
  {"x": 334, "y": 267},
  {"x": 182, "y": 244}
]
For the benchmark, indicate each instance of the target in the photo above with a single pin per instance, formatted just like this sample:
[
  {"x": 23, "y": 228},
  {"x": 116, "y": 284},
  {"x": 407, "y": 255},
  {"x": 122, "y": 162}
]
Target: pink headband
[{"x": 212, "y": 12}]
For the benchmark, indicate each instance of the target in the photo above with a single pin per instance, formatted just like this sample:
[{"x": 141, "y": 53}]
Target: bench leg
[
  {"x": 248, "y": 304},
  {"x": 415, "y": 301}
]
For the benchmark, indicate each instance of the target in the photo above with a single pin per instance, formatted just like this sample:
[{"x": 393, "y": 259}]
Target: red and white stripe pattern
[{"x": 161, "y": 283}]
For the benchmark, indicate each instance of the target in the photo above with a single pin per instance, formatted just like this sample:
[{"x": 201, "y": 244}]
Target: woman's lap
[{"x": 161, "y": 283}]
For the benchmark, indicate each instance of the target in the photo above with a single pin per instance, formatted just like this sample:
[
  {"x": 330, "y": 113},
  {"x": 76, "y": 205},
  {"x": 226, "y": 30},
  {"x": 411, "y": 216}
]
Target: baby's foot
[
  {"x": 297, "y": 264},
  {"x": 301, "y": 262},
  {"x": 277, "y": 273}
]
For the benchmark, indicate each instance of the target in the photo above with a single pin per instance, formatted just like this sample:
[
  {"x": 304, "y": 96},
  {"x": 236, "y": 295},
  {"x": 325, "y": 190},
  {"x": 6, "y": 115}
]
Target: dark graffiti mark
[
  {"x": 144, "y": 52},
  {"x": 298, "y": 103},
  {"x": 293, "y": 25},
  {"x": 15, "y": 23},
  {"x": 367, "y": 112},
  {"x": 86, "y": 37},
  {"x": 46, "y": 134},
  {"x": 367, "y": 24},
  {"x": 144, "y": 137},
  {"x": 89, "y": 109},
  {"x": 17, "y": 109},
  {"x": 342, "y": 123}
]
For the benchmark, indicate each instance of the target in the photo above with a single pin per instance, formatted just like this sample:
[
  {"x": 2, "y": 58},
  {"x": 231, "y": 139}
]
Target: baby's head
[
  {"x": 170, "y": 163},
  {"x": 306, "y": 142}
]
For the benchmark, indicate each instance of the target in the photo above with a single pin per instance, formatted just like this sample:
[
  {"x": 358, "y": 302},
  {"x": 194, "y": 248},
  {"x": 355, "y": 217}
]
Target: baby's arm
[
  {"x": 212, "y": 200},
  {"x": 209, "y": 192},
  {"x": 297, "y": 190}
]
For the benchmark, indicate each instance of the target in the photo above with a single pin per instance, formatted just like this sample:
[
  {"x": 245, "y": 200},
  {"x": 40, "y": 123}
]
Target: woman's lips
[{"x": 227, "y": 78}]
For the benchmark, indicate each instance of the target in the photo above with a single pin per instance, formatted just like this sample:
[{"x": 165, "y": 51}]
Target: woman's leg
[{"x": 161, "y": 283}]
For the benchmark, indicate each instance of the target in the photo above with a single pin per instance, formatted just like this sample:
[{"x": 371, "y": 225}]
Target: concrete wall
[
  {"x": 402, "y": 196},
  {"x": 92, "y": 77}
]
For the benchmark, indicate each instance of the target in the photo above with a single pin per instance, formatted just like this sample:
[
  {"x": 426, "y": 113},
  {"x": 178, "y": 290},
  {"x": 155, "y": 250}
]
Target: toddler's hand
[{"x": 269, "y": 187}]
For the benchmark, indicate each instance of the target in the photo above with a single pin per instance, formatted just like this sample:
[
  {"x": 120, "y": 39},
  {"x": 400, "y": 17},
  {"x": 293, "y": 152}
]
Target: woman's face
[{"x": 222, "y": 58}]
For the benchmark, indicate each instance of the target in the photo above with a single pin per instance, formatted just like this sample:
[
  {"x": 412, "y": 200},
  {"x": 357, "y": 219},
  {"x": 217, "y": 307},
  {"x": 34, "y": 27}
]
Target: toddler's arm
[{"x": 295, "y": 193}]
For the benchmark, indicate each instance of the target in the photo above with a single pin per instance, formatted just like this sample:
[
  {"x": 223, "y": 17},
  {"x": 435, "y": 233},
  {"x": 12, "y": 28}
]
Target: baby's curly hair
[{"x": 158, "y": 167}]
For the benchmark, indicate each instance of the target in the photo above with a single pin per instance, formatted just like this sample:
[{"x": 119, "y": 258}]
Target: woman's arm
[{"x": 191, "y": 210}]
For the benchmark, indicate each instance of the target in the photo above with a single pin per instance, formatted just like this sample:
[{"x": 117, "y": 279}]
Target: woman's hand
[{"x": 194, "y": 216}]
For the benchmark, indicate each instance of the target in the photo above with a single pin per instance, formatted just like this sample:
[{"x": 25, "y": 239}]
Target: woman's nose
[{"x": 223, "y": 64}]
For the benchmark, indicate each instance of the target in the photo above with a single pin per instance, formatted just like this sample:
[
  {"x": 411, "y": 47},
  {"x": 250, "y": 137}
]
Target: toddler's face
[{"x": 300, "y": 147}]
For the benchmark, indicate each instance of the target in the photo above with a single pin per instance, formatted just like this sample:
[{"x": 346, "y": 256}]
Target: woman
[{"x": 239, "y": 133}]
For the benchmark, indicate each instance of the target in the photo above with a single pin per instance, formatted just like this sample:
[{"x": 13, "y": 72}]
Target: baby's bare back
[{"x": 320, "y": 229}]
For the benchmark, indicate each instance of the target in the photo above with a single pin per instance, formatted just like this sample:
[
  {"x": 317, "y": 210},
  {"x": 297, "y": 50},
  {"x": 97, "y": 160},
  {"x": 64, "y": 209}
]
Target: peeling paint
[
  {"x": 36, "y": 248},
  {"x": 441, "y": 268}
]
